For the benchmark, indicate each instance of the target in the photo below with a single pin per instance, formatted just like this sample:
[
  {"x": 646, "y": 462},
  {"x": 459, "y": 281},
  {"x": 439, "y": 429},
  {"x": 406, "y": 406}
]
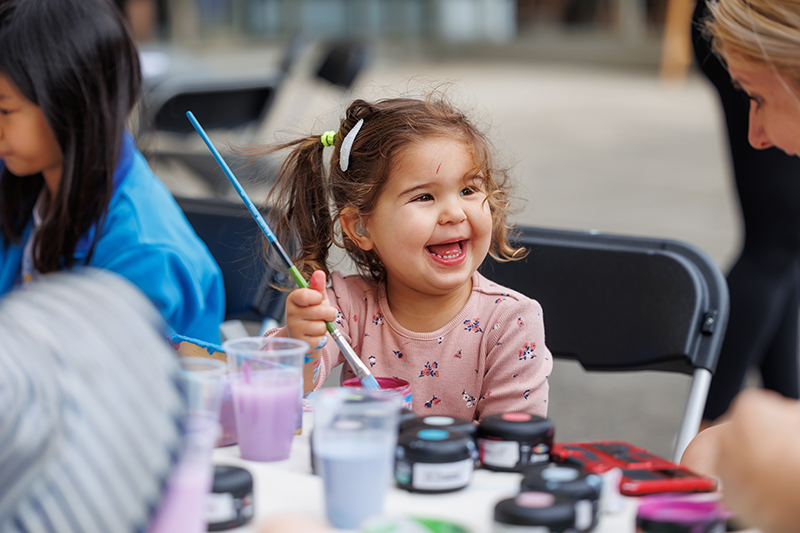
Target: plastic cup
[
  {"x": 201, "y": 380},
  {"x": 396, "y": 385},
  {"x": 266, "y": 380},
  {"x": 227, "y": 418},
  {"x": 183, "y": 505},
  {"x": 354, "y": 441}
]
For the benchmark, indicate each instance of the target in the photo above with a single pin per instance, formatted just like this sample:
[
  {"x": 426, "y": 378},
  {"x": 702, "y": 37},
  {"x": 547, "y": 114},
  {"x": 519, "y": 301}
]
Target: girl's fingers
[{"x": 305, "y": 297}]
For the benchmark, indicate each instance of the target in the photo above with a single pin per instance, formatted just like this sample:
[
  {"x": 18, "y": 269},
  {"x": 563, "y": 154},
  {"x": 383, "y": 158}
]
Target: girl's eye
[
  {"x": 5, "y": 111},
  {"x": 466, "y": 191},
  {"x": 423, "y": 198},
  {"x": 757, "y": 101}
]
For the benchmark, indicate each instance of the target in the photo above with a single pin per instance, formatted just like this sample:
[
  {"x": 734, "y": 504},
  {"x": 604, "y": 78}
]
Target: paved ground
[{"x": 591, "y": 148}]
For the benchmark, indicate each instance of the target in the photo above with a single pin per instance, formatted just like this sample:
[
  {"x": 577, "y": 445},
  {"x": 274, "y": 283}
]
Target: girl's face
[
  {"x": 431, "y": 227},
  {"x": 27, "y": 144},
  {"x": 774, "y": 106}
]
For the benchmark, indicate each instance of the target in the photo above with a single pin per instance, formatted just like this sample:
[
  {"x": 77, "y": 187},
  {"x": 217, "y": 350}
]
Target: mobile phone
[{"x": 642, "y": 472}]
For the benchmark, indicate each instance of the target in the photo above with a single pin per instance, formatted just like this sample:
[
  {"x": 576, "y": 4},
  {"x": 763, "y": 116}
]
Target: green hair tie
[{"x": 328, "y": 138}]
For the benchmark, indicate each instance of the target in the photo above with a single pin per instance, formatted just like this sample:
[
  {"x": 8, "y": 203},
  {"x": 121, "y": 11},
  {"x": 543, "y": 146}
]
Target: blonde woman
[
  {"x": 756, "y": 454},
  {"x": 764, "y": 281}
]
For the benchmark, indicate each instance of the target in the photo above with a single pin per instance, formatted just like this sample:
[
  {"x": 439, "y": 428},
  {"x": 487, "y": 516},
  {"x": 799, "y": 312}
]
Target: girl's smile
[
  {"x": 448, "y": 253},
  {"x": 431, "y": 226}
]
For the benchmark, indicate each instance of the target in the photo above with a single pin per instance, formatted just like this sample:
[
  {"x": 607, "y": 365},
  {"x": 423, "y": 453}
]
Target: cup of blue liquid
[{"x": 354, "y": 441}]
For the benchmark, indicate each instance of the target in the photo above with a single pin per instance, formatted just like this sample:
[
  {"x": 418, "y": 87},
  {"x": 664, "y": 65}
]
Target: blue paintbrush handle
[{"x": 367, "y": 379}]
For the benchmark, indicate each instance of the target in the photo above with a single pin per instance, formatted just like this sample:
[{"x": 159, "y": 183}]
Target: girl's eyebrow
[{"x": 413, "y": 189}]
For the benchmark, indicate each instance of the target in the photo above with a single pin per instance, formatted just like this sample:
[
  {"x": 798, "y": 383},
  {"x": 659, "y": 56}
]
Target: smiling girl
[{"x": 415, "y": 200}]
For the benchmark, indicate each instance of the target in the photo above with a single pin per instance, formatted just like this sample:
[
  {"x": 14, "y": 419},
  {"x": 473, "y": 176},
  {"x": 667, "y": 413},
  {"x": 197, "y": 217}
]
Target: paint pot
[
  {"x": 230, "y": 503},
  {"x": 681, "y": 513},
  {"x": 406, "y": 415},
  {"x": 511, "y": 442},
  {"x": 434, "y": 460},
  {"x": 539, "y": 512},
  {"x": 569, "y": 481},
  {"x": 400, "y": 386},
  {"x": 460, "y": 425},
  {"x": 467, "y": 427}
]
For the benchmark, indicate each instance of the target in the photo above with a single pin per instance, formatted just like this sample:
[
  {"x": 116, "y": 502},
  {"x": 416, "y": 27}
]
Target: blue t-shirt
[{"x": 146, "y": 239}]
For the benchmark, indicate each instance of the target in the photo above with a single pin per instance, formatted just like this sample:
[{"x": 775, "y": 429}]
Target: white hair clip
[{"x": 347, "y": 144}]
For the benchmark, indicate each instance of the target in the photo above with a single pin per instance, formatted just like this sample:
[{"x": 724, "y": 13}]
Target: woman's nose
[{"x": 755, "y": 133}]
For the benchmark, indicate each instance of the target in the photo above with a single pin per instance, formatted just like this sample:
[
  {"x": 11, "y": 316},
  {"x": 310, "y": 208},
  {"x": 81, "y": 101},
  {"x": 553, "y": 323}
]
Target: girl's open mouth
[{"x": 448, "y": 251}]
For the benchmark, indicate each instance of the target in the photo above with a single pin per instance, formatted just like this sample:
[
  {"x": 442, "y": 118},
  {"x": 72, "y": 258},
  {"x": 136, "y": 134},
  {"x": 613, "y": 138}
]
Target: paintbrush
[{"x": 368, "y": 381}]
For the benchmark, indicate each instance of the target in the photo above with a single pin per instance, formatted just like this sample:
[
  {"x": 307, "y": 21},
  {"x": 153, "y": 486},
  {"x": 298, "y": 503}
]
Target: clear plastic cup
[
  {"x": 354, "y": 441},
  {"x": 201, "y": 380},
  {"x": 266, "y": 380}
]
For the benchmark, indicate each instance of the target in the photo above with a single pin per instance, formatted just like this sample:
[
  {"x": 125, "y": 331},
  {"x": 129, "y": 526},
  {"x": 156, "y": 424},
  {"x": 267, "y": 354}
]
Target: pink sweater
[{"x": 491, "y": 358}]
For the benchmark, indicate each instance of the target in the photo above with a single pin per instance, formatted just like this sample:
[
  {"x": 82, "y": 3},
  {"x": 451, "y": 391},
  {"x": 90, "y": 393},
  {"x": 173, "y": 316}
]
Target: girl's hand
[{"x": 307, "y": 310}]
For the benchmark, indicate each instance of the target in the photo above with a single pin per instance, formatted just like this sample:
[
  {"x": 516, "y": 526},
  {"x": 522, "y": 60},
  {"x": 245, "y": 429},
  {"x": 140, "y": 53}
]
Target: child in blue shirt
[{"x": 74, "y": 189}]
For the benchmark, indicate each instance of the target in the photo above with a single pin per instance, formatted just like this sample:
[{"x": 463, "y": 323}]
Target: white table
[{"x": 289, "y": 487}]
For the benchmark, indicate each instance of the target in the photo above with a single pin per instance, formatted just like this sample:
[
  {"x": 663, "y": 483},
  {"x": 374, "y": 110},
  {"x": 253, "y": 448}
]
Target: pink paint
[
  {"x": 401, "y": 386},
  {"x": 516, "y": 417},
  {"x": 535, "y": 500},
  {"x": 266, "y": 408}
]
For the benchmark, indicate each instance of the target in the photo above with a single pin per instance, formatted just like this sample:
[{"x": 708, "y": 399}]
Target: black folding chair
[
  {"x": 617, "y": 303},
  {"x": 237, "y": 244}
]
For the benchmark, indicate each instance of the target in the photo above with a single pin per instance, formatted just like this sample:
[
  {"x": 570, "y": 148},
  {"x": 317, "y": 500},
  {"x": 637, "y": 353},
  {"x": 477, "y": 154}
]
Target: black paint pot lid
[
  {"x": 516, "y": 426},
  {"x": 434, "y": 446},
  {"x": 537, "y": 509},
  {"x": 232, "y": 479}
]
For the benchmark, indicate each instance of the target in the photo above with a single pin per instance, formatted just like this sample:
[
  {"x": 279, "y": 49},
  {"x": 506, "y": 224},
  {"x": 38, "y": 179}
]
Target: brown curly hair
[{"x": 308, "y": 199}]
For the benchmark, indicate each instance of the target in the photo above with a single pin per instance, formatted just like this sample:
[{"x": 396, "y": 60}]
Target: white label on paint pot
[
  {"x": 442, "y": 476},
  {"x": 584, "y": 514},
  {"x": 501, "y": 453},
  {"x": 508, "y": 528},
  {"x": 220, "y": 508}
]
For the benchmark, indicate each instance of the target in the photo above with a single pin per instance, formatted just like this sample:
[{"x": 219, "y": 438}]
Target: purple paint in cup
[{"x": 266, "y": 383}]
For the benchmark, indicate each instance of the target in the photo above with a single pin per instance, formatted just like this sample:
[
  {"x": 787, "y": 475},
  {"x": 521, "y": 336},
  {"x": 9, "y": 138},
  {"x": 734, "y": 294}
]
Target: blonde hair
[{"x": 760, "y": 33}]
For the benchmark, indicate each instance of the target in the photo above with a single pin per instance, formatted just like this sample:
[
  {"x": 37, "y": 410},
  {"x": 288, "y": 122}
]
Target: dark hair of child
[
  {"x": 308, "y": 199},
  {"x": 76, "y": 61}
]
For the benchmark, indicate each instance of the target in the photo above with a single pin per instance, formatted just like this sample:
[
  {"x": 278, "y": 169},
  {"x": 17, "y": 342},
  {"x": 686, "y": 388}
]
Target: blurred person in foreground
[{"x": 756, "y": 453}]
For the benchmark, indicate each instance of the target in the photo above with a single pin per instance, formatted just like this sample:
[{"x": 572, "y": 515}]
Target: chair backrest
[
  {"x": 236, "y": 242},
  {"x": 615, "y": 302},
  {"x": 218, "y": 103},
  {"x": 343, "y": 62}
]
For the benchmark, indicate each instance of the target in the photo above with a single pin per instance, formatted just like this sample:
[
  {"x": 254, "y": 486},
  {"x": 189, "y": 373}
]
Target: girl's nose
[
  {"x": 452, "y": 213},
  {"x": 755, "y": 134}
]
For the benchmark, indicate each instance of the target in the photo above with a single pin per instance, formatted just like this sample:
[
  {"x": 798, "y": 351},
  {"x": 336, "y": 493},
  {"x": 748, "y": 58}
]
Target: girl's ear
[{"x": 356, "y": 229}]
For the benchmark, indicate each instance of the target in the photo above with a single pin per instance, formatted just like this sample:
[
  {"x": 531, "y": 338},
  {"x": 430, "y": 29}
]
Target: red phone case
[{"x": 642, "y": 472}]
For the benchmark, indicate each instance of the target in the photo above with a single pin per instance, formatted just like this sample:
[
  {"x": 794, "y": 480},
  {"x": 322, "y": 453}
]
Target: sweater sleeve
[{"x": 518, "y": 364}]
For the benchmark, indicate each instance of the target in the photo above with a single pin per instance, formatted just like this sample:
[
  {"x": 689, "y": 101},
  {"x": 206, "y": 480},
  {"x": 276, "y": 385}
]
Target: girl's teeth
[{"x": 449, "y": 256}]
